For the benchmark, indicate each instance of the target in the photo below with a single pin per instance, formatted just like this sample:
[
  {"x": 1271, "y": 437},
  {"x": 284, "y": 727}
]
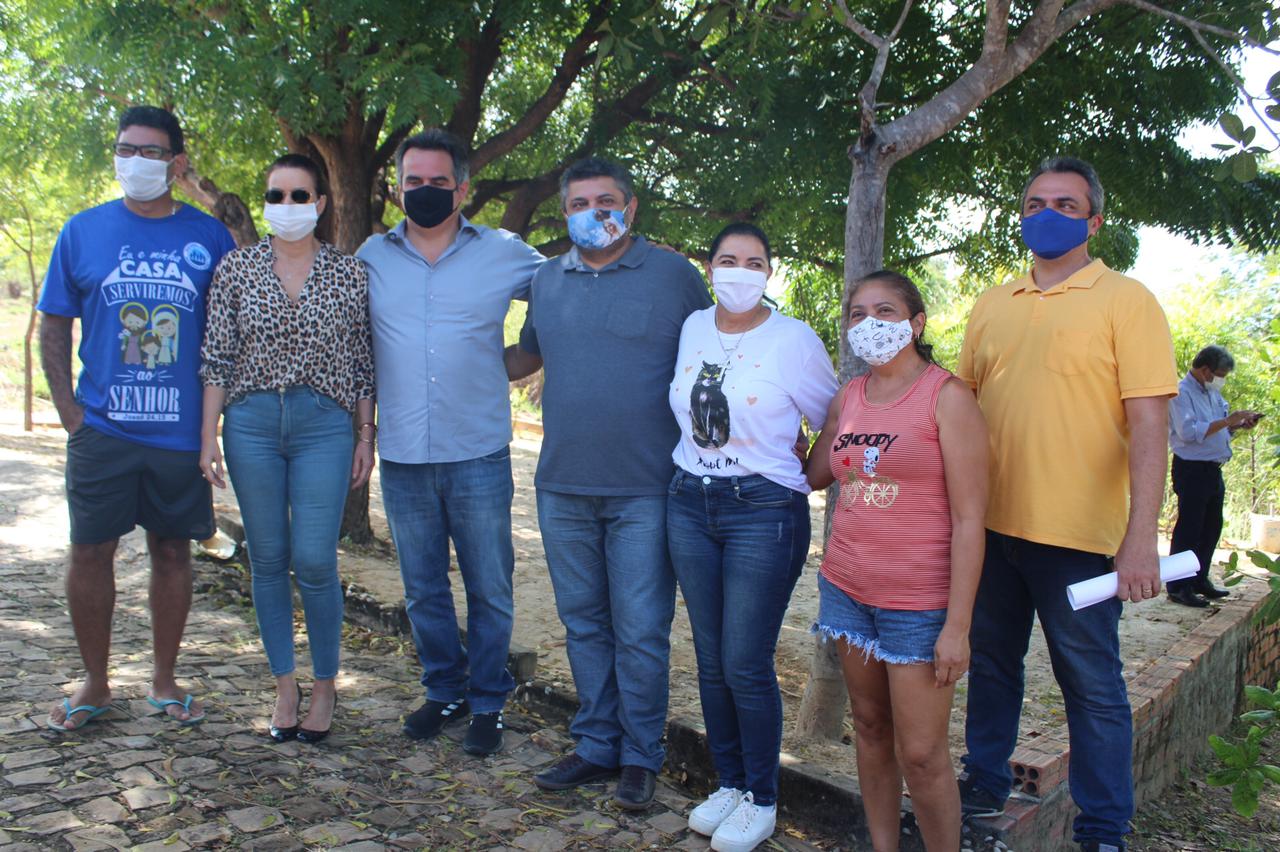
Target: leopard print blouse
[{"x": 256, "y": 338}]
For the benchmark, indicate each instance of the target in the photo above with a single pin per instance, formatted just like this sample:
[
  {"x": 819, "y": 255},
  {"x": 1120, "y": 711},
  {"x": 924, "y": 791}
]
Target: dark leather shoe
[
  {"x": 283, "y": 735},
  {"x": 430, "y": 719},
  {"x": 571, "y": 771},
  {"x": 1209, "y": 590},
  {"x": 635, "y": 788},
  {"x": 1186, "y": 597}
]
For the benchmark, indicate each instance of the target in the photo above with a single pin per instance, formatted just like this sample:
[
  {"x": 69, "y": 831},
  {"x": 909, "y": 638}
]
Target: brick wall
[{"x": 1195, "y": 689}]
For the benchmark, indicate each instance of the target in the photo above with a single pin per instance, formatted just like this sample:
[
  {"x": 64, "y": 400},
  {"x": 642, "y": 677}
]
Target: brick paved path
[{"x": 131, "y": 780}]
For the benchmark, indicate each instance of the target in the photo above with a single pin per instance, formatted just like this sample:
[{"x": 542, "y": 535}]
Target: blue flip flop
[
  {"x": 161, "y": 703},
  {"x": 94, "y": 712}
]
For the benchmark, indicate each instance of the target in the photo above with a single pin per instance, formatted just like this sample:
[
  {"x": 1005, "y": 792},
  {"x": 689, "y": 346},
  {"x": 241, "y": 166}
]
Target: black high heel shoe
[
  {"x": 283, "y": 735},
  {"x": 305, "y": 735}
]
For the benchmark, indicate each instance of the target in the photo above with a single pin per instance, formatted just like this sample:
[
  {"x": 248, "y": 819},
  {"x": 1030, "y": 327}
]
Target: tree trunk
[
  {"x": 822, "y": 709},
  {"x": 28, "y": 370},
  {"x": 347, "y": 226}
]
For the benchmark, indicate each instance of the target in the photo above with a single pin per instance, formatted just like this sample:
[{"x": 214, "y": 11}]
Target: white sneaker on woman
[
  {"x": 746, "y": 828},
  {"x": 706, "y": 817}
]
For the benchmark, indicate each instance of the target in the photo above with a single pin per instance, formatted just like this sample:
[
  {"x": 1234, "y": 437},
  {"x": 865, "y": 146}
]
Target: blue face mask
[
  {"x": 1050, "y": 235},
  {"x": 596, "y": 229}
]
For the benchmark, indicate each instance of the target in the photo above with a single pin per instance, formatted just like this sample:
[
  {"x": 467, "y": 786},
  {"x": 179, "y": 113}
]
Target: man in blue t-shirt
[
  {"x": 606, "y": 318},
  {"x": 135, "y": 271}
]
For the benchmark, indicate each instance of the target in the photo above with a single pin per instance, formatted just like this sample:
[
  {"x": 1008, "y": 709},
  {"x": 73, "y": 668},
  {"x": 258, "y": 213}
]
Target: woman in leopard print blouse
[{"x": 287, "y": 359}]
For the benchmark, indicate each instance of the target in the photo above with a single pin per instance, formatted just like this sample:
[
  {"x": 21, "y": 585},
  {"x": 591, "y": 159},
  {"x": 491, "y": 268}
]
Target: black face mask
[{"x": 428, "y": 205}]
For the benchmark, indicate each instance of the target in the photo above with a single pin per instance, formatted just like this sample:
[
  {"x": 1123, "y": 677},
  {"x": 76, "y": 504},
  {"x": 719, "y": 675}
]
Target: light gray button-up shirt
[
  {"x": 437, "y": 341},
  {"x": 1190, "y": 413}
]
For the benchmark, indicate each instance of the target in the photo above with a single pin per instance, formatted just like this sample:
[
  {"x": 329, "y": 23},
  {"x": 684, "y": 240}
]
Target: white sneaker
[
  {"x": 706, "y": 817},
  {"x": 746, "y": 828}
]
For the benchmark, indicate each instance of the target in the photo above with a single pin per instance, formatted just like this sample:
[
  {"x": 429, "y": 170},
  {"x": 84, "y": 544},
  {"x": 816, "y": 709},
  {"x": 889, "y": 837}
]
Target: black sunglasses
[{"x": 297, "y": 196}]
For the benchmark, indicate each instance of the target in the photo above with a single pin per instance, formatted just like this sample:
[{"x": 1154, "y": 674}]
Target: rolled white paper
[{"x": 1179, "y": 566}]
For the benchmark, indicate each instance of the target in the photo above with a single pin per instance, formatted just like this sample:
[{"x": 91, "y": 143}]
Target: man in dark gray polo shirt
[{"x": 605, "y": 321}]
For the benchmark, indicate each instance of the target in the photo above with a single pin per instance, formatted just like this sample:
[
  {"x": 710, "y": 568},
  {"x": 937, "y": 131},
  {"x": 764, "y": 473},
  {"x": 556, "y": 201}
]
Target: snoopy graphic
[{"x": 870, "y": 458}]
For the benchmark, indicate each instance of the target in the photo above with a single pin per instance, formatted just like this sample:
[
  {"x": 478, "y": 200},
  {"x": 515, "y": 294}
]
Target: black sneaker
[
  {"x": 484, "y": 735},
  {"x": 1209, "y": 590},
  {"x": 978, "y": 802},
  {"x": 1096, "y": 846},
  {"x": 571, "y": 771},
  {"x": 430, "y": 719},
  {"x": 1187, "y": 597},
  {"x": 635, "y": 788}
]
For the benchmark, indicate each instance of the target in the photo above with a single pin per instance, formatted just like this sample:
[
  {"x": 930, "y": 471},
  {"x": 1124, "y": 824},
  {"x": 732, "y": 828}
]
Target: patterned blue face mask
[{"x": 596, "y": 228}]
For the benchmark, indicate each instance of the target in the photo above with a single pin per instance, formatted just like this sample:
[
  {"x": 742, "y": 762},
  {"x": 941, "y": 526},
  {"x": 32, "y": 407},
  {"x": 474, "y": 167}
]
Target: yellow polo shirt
[{"x": 1051, "y": 370}]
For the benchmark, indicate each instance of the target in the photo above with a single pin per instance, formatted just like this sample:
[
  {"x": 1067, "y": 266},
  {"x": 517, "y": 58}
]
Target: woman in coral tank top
[{"x": 908, "y": 446}]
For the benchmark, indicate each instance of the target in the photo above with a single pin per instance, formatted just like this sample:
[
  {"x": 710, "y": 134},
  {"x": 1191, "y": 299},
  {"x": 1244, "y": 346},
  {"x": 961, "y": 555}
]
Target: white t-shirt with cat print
[{"x": 739, "y": 397}]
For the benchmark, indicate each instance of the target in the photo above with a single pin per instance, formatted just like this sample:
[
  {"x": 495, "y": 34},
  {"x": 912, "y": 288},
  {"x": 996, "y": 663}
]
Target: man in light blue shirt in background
[
  {"x": 1201, "y": 427},
  {"x": 440, "y": 287}
]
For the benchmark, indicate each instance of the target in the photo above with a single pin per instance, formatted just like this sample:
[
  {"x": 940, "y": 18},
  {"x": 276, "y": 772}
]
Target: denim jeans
[
  {"x": 1021, "y": 579},
  {"x": 738, "y": 545},
  {"x": 470, "y": 502},
  {"x": 616, "y": 596},
  {"x": 289, "y": 457}
]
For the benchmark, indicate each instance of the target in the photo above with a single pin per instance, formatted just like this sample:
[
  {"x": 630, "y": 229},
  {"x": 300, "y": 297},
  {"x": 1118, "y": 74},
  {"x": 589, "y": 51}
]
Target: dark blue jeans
[
  {"x": 289, "y": 457},
  {"x": 470, "y": 502},
  {"x": 616, "y": 596},
  {"x": 1022, "y": 579},
  {"x": 738, "y": 545}
]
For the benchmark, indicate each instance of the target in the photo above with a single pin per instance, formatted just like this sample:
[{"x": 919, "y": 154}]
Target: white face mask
[
  {"x": 737, "y": 288},
  {"x": 143, "y": 179},
  {"x": 291, "y": 221},
  {"x": 1217, "y": 383},
  {"x": 877, "y": 342}
]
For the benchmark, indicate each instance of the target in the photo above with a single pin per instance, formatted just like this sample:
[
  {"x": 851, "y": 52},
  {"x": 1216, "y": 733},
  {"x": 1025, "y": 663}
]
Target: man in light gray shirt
[
  {"x": 440, "y": 287},
  {"x": 1201, "y": 427}
]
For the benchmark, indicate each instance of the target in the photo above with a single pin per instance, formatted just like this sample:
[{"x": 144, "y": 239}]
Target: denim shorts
[{"x": 898, "y": 636}]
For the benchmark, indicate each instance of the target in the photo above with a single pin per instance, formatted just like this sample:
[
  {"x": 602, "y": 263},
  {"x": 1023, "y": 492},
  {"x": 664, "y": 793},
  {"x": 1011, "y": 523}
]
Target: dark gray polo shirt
[{"x": 608, "y": 341}]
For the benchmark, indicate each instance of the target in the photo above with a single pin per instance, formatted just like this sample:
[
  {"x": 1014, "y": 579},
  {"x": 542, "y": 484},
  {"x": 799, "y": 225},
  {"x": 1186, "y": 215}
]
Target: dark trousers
[
  {"x": 1022, "y": 579},
  {"x": 1200, "y": 491}
]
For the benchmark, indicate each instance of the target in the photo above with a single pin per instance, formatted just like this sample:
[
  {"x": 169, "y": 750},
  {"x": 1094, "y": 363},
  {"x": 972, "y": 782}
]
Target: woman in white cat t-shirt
[{"x": 738, "y": 519}]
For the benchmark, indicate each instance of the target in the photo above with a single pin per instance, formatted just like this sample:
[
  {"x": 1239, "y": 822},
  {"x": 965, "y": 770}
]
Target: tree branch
[
  {"x": 482, "y": 52},
  {"x": 1200, "y": 26},
  {"x": 571, "y": 64},
  {"x": 382, "y": 155},
  {"x": 857, "y": 27}
]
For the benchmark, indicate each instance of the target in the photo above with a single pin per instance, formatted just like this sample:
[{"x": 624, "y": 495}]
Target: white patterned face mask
[{"x": 877, "y": 342}]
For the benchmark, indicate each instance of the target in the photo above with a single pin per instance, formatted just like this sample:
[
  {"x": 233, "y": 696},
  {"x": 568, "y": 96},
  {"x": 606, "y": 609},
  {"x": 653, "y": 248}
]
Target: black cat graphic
[{"x": 709, "y": 409}]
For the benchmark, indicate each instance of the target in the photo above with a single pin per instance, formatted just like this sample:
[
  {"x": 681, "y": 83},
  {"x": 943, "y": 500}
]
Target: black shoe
[
  {"x": 635, "y": 788},
  {"x": 430, "y": 719},
  {"x": 283, "y": 735},
  {"x": 484, "y": 735},
  {"x": 1209, "y": 590},
  {"x": 978, "y": 802},
  {"x": 571, "y": 771},
  {"x": 308, "y": 736},
  {"x": 1186, "y": 597},
  {"x": 1096, "y": 846}
]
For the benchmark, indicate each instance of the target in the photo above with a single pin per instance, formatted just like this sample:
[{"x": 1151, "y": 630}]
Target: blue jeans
[
  {"x": 470, "y": 502},
  {"x": 1021, "y": 579},
  {"x": 738, "y": 545},
  {"x": 289, "y": 457},
  {"x": 616, "y": 596}
]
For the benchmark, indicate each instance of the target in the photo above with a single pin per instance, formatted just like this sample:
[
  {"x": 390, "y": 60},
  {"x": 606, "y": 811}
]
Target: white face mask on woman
[
  {"x": 737, "y": 288},
  {"x": 143, "y": 179},
  {"x": 291, "y": 221},
  {"x": 878, "y": 342}
]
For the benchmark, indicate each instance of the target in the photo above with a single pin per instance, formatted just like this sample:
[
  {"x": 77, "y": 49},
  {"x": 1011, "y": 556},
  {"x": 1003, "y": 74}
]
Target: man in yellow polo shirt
[{"x": 1073, "y": 367}]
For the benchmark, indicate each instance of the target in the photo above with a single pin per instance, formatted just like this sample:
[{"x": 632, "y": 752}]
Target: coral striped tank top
[{"x": 890, "y": 544}]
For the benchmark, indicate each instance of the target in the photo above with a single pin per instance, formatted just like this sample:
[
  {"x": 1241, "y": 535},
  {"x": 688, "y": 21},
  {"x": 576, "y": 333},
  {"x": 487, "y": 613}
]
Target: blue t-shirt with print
[{"x": 139, "y": 287}]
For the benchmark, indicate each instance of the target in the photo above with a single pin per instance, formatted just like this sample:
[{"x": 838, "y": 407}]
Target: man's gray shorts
[{"x": 114, "y": 485}]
